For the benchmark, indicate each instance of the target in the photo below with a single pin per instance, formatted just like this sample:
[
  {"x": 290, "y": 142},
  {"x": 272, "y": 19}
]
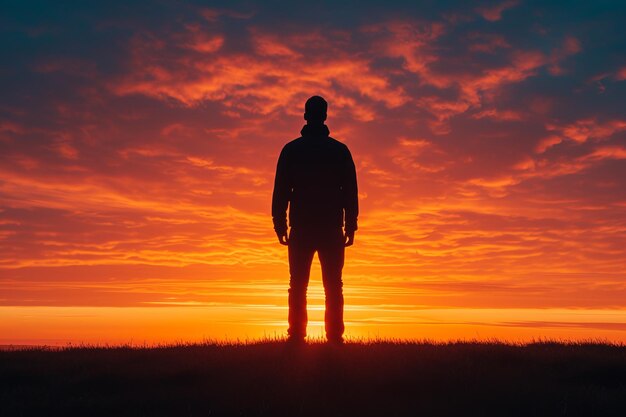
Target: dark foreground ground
[{"x": 273, "y": 379}]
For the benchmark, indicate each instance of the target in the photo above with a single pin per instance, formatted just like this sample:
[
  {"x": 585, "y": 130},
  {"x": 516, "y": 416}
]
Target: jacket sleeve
[
  {"x": 350, "y": 194},
  {"x": 281, "y": 194}
]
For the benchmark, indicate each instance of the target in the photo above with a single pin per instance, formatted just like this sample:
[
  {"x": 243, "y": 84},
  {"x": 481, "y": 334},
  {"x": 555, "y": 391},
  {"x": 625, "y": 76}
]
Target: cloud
[
  {"x": 279, "y": 74},
  {"x": 581, "y": 131},
  {"x": 494, "y": 13},
  {"x": 487, "y": 42},
  {"x": 571, "y": 46},
  {"x": 607, "y": 152},
  {"x": 504, "y": 115}
]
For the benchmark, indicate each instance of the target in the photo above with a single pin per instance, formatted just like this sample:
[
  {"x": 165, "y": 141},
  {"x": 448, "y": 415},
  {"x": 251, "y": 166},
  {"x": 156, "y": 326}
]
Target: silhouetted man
[{"x": 316, "y": 178}]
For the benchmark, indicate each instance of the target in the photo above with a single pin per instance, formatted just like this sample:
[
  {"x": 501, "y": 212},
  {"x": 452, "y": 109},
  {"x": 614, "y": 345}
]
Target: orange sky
[{"x": 138, "y": 154}]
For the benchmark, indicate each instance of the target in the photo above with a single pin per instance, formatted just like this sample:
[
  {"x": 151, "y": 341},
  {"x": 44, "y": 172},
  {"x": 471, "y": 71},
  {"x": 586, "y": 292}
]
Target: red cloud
[
  {"x": 607, "y": 152},
  {"x": 504, "y": 115},
  {"x": 276, "y": 78},
  {"x": 411, "y": 41},
  {"x": 494, "y": 13},
  {"x": 200, "y": 41},
  {"x": 571, "y": 46},
  {"x": 487, "y": 42},
  {"x": 587, "y": 129}
]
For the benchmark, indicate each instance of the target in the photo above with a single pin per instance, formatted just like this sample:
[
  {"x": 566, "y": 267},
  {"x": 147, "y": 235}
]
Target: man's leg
[
  {"x": 301, "y": 253},
  {"x": 331, "y": 253}
]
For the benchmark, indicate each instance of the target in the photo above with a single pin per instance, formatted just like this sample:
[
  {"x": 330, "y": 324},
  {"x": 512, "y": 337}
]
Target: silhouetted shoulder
[
  {"x": 293, "y": 143},
  {"x": 341, "y": 147},
  {"x": 337, "y": 143},
  {"x": 304, "y": 142}
]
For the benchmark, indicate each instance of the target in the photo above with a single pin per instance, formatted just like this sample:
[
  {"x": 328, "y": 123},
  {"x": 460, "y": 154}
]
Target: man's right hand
[{"x": 283, "y": 238}]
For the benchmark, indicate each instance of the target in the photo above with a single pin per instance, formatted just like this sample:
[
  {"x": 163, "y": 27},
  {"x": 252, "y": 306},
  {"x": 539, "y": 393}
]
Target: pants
[{"x": 329, "y": 245}]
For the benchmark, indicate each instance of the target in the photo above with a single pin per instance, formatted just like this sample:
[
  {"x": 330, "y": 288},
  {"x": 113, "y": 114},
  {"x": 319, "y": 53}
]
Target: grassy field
[{"x": 357, "y": 379}]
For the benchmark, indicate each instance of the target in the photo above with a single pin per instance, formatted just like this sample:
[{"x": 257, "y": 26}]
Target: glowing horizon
[{"x": 138, "y": 154}]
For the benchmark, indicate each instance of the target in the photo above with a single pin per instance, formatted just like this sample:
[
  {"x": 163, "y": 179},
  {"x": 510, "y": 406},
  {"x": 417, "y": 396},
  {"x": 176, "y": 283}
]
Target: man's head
[{"x": 315, "y": 110}]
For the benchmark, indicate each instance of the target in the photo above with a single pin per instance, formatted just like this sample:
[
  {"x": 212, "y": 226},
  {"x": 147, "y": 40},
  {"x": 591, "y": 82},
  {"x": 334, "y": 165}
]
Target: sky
[{"x": 138, "y": 145}]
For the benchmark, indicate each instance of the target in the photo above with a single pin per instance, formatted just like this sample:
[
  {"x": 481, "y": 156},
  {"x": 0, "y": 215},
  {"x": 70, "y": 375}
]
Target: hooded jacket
[{"x": 316, "y": 179}]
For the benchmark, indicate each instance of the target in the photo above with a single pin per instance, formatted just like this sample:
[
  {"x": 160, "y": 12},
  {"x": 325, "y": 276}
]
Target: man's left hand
[{"x": 349, "y": 239}]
